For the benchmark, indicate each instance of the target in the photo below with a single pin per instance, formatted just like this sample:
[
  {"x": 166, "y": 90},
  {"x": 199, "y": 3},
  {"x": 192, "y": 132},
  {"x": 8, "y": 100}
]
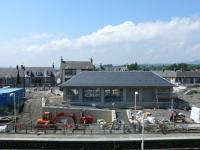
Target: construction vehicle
[{"x": 51, "y": 121}]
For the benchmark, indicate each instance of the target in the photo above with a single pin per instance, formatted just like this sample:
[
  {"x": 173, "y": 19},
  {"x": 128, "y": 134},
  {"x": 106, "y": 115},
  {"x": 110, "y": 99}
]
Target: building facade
[
  {"x": 105, "y": 89},
  {"x": 34, "y": 76},
  {"x": 70, "y": 68},
  {"x": 182, "y": 77}
]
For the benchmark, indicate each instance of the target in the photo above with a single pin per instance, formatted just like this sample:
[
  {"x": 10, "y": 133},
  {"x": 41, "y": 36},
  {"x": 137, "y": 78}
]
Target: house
[
  {"x": 34, "y": 76},
  {"x": 105, "y": 89},
  {"x": 116, "y": 68},
  {"x": 8, "y": 77},
  {"x": 71, "y": 68},
  {"x": 179, "y": 76}
]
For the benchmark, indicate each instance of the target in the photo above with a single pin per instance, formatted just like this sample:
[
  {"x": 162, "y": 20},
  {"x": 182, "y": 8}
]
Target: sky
[{"x": 39, "y": 32}]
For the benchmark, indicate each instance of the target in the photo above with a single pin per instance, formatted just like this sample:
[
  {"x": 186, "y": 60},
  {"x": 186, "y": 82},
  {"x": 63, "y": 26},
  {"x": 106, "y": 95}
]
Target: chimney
[
  {"x": 91, "y": 60},
  {"x": 61, "y": 59}
]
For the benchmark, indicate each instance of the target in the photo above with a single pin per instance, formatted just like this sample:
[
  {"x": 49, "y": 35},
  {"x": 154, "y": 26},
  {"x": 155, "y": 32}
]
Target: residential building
[
  {"x": 182, "y": 77},
  {"x": 34, "y": 76},
  {"x": 70, "y": 68},
  {"x": 105, "y": 89},
  {"x": 116, "y": 68}
]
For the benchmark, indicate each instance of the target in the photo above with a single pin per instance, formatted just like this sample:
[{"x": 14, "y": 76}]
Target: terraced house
[
  {"x": 34, "y": 76},
  {"x": 180, "y": 76},
  {"x": 122, "y": 89}
]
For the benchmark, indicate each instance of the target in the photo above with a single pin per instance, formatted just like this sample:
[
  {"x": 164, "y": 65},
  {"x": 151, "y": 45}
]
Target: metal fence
[{"x": 95, "y": 129}]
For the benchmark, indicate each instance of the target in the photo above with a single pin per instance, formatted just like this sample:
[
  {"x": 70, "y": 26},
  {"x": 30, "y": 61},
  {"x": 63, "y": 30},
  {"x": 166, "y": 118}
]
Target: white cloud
[{"x": 146, "y": 42}]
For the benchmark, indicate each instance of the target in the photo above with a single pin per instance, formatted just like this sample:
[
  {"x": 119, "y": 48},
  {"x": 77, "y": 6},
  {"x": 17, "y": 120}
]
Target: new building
[
  {"x": 105, "y": 89},
  {"x": 183, "y": 77},
  {"x": 10, "y": 95},
  {"x": 70, "y": 68}
]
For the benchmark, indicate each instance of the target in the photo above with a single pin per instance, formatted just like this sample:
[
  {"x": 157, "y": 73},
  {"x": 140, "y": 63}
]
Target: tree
[
  {"x": 18, "y": 76},
  {"x": 133, "y": 66}
]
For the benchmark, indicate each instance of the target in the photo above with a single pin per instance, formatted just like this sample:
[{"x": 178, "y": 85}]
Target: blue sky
[{"x": 51, "y": 28}]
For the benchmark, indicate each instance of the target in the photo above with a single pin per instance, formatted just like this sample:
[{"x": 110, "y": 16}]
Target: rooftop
[
  {"x": 77, "y": 65},
  {"x": 117, "y": 79},
  {"x": 9, "y": 90},
  {"x": 178, "y": 73}
]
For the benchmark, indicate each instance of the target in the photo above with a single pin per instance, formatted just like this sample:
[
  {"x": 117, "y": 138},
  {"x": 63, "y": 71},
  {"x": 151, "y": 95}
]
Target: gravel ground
[{"x": 33, "y": 107}]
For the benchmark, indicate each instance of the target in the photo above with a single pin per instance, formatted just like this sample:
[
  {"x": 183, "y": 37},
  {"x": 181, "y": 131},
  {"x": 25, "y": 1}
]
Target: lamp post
[
  {"x": 15, "y": 113},
  {"x": 142, "y": 144},
  {"x": 136, "y": 93}
]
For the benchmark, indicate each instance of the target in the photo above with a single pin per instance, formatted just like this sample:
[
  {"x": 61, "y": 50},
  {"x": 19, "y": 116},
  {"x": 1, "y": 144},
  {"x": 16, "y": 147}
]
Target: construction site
[{"x": 45, "y": 112}]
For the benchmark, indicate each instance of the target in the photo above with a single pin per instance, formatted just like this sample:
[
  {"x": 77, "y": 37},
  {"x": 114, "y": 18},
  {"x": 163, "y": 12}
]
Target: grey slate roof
[
  {"x": 166, "y": 74},
  {"x": 117, "y": 79},
  {"x": 179, "y": 73},
  {"x": 37, "y": 71},
  {"x": 77, "y": 65},
  {"x": 8, "y": 72}
]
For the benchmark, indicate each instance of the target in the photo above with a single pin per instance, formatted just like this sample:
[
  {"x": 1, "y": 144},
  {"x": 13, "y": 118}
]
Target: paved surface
[
  {"x": 110, "y": 137},
  {"x": 122, "y": 115}
]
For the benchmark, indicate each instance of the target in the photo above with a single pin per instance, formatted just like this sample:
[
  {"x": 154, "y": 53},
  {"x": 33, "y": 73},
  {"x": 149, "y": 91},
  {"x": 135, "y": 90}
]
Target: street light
[
  {"x": 136, "y": 93},
  {"x": 15, "y": 115},
  {"x": 142, "y": 144}
]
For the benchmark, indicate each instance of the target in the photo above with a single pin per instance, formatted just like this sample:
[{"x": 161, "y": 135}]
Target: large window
[
  {"x": 72, "y": 94},
  {"x": 91, "y": 94},
  {"x": 70, "y": 72},
  {"x": 113, "y": 95}
]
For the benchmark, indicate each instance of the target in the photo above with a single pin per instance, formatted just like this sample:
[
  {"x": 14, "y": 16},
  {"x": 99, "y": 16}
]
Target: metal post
[
  {"x": 15, "y": 114},
  {"x": 15, "y": 110},
  {"x": 136, "y": 93},
  {"x": 142, "y": 144}
]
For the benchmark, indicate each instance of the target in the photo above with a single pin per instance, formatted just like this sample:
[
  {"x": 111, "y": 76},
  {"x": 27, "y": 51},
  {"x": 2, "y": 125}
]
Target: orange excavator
[{"x": 49, "y": 119}]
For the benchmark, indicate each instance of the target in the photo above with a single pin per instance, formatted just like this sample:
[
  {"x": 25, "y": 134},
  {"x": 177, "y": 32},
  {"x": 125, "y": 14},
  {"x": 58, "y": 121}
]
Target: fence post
[
  {"x": 31, "y": 126},
  {"x": 45, "y": 129},
  {"x": 55, "y": 129},
  {"x": 26, "y": 128},
  {"x": 64, "y": 129},
  {"x": 91, "y": 131},
  {"x": 124, "y": 128}
]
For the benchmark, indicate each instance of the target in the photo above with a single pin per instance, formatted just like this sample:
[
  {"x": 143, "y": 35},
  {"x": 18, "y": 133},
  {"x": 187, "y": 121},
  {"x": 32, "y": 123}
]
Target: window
[
  {"x": 70, "y": 72},
  {"x": 92, "y": 94},
  {"x": 113, "y": 95},
  {"x": 72, "y": 94}
]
